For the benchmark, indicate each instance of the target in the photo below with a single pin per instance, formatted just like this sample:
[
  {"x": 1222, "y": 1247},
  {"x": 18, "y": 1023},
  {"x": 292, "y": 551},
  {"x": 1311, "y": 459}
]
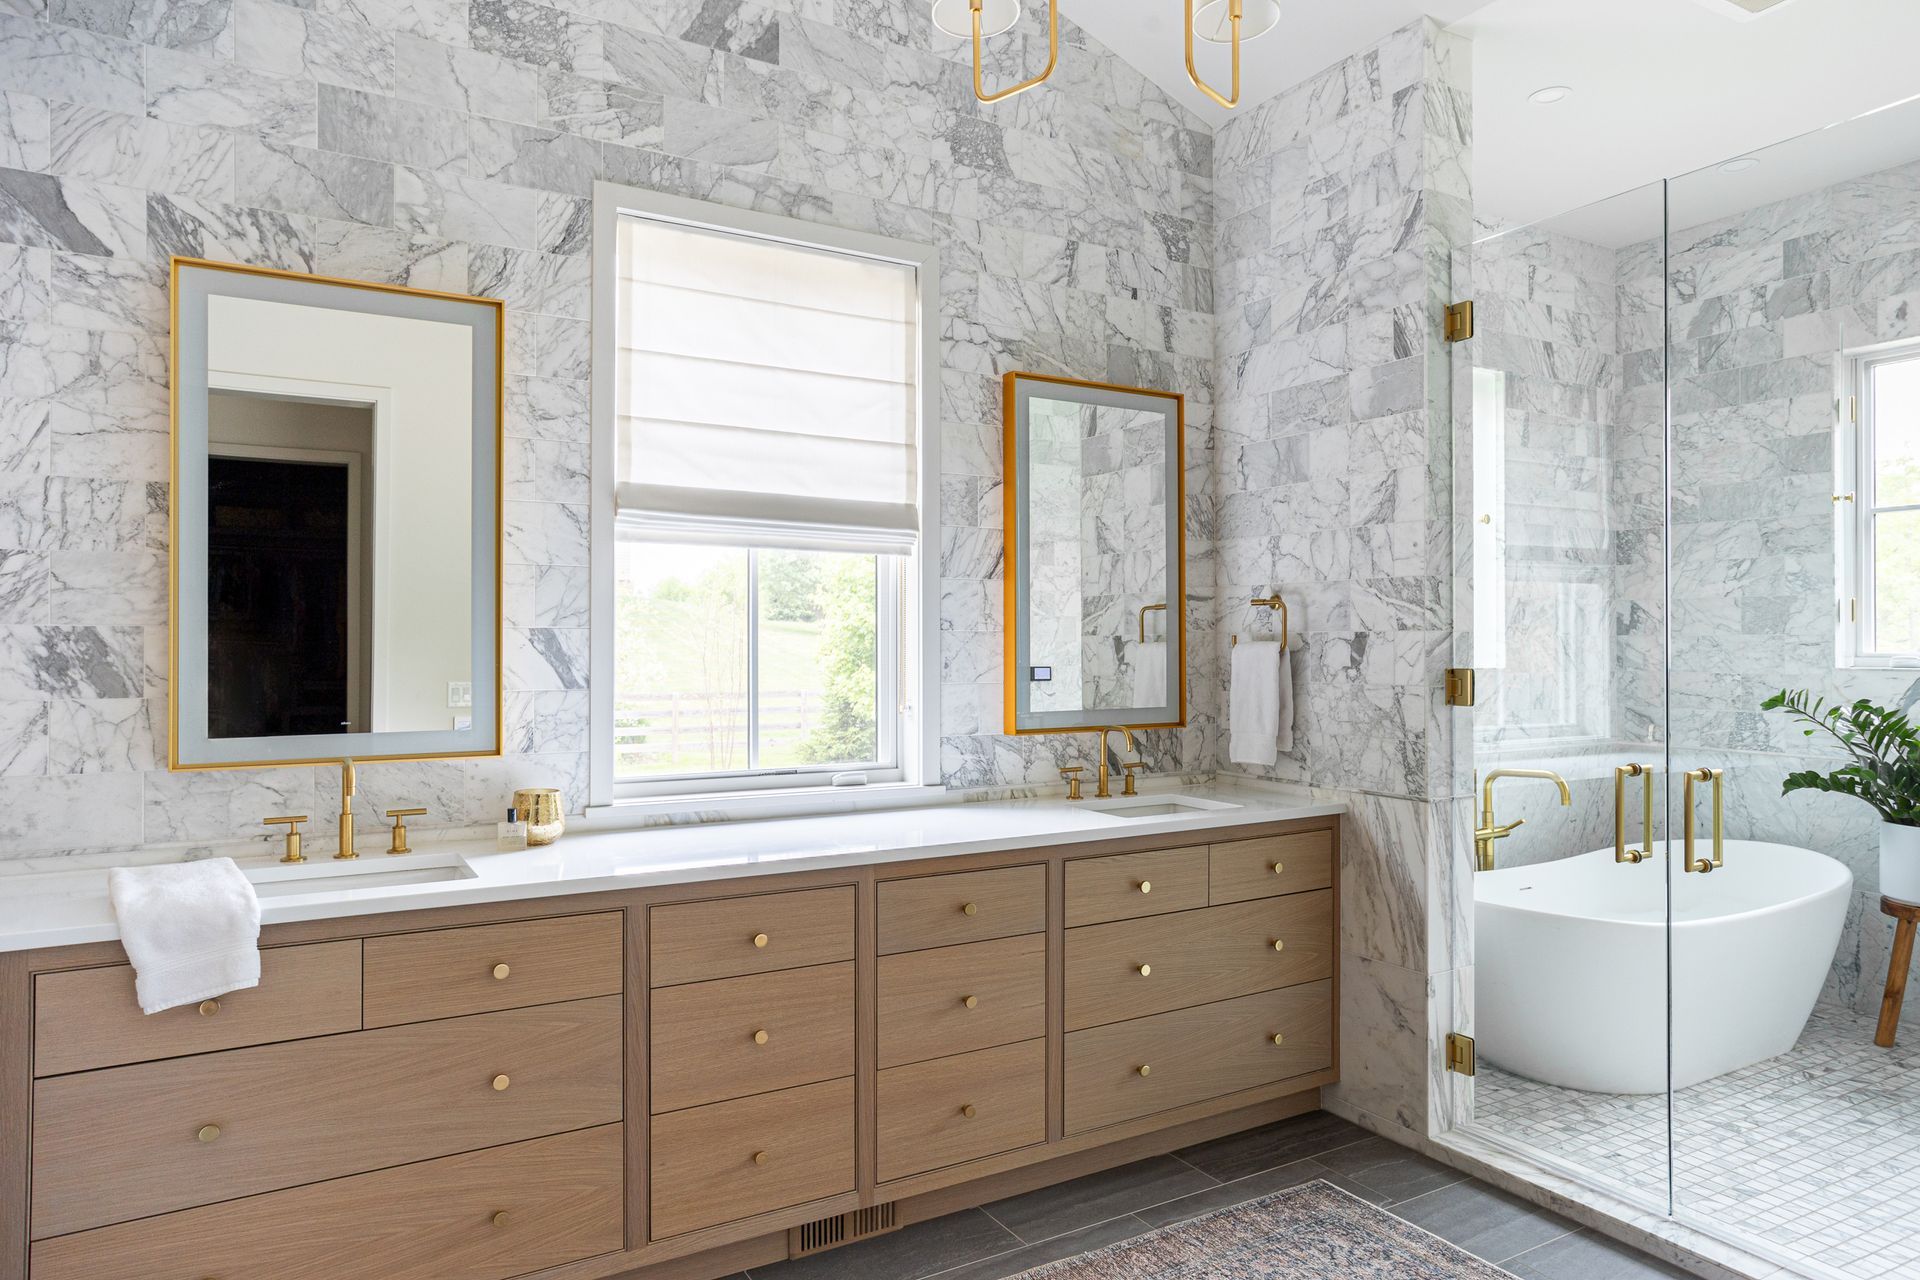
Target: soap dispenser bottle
[{"x": 511, "y": 834}]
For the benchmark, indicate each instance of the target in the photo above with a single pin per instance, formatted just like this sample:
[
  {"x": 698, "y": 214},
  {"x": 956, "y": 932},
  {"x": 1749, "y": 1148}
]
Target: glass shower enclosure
[{"x": 1687, "y": 454}]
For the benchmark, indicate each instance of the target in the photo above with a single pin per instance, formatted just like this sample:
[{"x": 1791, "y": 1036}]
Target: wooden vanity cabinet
[{"x": 677, "y": 1082}]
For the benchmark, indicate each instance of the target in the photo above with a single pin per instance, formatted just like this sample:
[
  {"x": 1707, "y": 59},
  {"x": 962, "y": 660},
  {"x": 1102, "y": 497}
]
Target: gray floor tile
[
  {"x": 1588, "y": 1257},
  {"x": 1269, "y": 1147},
  {"x": 1051, "y": 1211},
  {"x": 1085, "y": 1240},
  {"x": 1483, "y": 1220},
  {"x": 1391, "y": 1169},
  {"x": 1228, "y": 1194},
  {"x": 911, "y": 1253}
]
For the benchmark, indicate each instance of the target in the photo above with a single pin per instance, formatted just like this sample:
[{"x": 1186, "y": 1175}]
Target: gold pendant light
[
  {"x": 1227, "y": 23},
  {"x": 990, "y": 18}
]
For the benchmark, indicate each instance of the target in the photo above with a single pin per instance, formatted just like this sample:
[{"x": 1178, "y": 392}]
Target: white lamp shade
[
  {"x": 1214, "y": 21},
  {"x": 955, "y": 17}
]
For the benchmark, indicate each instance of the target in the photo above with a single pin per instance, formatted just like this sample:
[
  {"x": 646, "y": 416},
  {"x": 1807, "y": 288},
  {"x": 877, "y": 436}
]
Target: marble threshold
[
  {"x": 45, "y": 908},
  {"x": 1533, "y": 1177}
]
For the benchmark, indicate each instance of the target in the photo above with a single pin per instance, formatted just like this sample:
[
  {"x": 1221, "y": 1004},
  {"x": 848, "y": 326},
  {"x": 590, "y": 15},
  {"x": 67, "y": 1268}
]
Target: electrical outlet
[
  {"x": 459, "y": 693},
  {"x": 462, "y": 723}
]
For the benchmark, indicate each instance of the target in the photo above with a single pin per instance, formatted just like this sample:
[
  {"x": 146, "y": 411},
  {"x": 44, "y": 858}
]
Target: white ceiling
[
  {"x": 1661, "y": 89},
  {"x": 1312, "y": 35}
]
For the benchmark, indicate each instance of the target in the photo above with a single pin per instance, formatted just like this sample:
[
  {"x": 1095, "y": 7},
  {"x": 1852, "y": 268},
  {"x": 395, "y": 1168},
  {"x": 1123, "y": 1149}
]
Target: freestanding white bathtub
[{"x": 1570, "y": 964}]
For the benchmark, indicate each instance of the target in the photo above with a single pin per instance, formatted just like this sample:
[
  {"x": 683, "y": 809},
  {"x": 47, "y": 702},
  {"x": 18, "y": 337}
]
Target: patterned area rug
[{"x": 1314, "y": 1231}]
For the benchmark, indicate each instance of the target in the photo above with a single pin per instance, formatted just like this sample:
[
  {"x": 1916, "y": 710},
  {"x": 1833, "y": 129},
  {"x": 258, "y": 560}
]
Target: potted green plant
[{"x": 1883, "y": 769}]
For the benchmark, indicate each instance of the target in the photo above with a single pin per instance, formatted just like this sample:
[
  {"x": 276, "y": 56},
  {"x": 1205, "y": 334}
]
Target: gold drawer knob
[
  {"x": 208, "y": 1132},
  {"x": 967, "y": 1111},
  {"x": 759, "y": 1157},
  {"x": 1146, "y": 1069},
  {"x": 759, "y": 939},
  {"x": 970, "y": 1001},
  {"x": 970, "y": 909},
  {"x": 500, "y": 972},
  {"x": 760, "y": 1037},
  {"x": 1279, "y": 868},
  {"x": 1279, "y": 944},
  {"x": 500, "y": 1084},
  {"x": 499, "y": 1219},
  {"x": 1145, "y": 886},
  {"x": 209, "y": 1007},
  {"x": 1146, "y": 971},
  {"x": 1278, "y": 1038}
]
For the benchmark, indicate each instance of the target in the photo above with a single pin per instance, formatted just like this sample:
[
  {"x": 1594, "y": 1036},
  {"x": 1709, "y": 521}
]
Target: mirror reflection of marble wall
[{"x": 1098, "y": 477}]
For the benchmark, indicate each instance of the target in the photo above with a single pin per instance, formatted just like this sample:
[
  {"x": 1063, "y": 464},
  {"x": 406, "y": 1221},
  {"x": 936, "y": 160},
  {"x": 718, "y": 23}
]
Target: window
[
  {"x": 1880, "y": 554},
  {"x": 762, "y": 468}
]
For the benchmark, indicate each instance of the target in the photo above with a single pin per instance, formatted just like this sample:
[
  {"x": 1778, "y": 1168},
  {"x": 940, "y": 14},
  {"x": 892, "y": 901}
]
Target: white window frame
[
  {"x": 913, "y": 606},
  {"x": 1855, "y": 510}
]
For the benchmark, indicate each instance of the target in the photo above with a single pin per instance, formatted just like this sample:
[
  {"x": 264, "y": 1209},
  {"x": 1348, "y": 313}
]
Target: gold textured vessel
[{"x": 541, "y": 811}]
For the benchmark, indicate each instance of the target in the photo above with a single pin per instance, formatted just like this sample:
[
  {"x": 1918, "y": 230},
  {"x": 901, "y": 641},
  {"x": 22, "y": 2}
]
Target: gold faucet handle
[
  {"x": 1132, "y": 767},
  {"x": 292, "y": 824},
  {"x": 1072, "y": 775},
  {"x": 399, "y": 842}
]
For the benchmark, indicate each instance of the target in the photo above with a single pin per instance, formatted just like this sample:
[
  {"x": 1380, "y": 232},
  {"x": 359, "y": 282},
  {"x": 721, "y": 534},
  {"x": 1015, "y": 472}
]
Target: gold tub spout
[{"x": 1488, "y": 832}]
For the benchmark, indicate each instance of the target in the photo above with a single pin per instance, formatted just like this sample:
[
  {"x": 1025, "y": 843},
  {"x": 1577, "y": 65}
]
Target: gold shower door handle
[
  {"x": 1620, "y": 775},
  {"x": 1719, "y": 858}
]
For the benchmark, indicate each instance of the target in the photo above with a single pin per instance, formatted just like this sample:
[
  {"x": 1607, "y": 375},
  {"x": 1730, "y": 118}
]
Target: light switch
[{"x": 459, "y": 693}]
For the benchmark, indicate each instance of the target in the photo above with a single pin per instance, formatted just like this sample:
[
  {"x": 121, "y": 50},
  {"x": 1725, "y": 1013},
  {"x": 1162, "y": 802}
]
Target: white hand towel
[
  {"x": 192, "y": 930},
  {"x": 1253, "y": 703},
  {"x": 1285, "y": 740},
  {"x": 1150, "y": 674}
]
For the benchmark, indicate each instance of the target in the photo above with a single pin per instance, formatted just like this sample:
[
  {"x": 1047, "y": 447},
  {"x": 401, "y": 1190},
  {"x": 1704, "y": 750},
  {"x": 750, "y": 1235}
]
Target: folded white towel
[
  {"x": 192, "y": 930},
  {"x": 1285, "y": 740},
  {"x": 1150, "y": 674},
  {"x": 1254, "y": 703}
]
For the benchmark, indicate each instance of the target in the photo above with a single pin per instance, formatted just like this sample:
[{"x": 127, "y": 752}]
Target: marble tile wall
[
  {"x": 453, "y": 146},
  {"x": 1339, "y": 204}
]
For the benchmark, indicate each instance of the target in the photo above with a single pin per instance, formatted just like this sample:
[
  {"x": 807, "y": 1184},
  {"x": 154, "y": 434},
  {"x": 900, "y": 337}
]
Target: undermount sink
[
  {"x": 324, "y": 874},
  {"x": 1157, "y": 806}
]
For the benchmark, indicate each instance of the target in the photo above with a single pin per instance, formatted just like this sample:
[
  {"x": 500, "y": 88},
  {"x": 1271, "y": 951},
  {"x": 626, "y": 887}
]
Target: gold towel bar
[
  {"x": 1272, "y": 602},
  {"x": 1146, "y": 609}
]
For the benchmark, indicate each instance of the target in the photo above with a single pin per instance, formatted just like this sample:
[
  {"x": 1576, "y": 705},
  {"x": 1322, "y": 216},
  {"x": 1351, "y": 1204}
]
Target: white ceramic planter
[{"x": 1900, "y": 862}]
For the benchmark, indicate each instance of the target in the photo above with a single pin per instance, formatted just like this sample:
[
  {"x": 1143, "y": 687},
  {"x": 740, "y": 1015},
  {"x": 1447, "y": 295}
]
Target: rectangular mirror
[
  {"x": 335, "y": 520},
  {"x": 1096, "y": 549}
]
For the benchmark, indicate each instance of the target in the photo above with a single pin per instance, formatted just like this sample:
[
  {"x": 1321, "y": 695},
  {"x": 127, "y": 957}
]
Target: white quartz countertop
[{"x": 58, "y": 908}]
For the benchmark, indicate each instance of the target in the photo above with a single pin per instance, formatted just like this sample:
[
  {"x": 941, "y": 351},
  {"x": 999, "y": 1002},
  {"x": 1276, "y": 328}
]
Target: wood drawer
[
  {"x": 968, "y": 906},
  {"x": 88, "y": 1018},
  {"x": 1196, "y": 957},
  {"x": 1270, "y": 866},
  {"x": 1136, "y": 884},
  {"x": 734, "y": 1037},
  {"x": 1195, "y": 1054},
  {"x": 923, "y": 998},
  {"x": 733, "y": 1160},
  {"x": 950, "y": 1110},
  {"x": 727, "y": 937},
  {"x": 428, "y": 1221},
  {"x": 445, "y": 973},
  {"x": 125, "y": 1143}
]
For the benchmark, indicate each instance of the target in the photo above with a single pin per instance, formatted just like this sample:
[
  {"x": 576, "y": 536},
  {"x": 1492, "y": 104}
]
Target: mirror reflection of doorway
[{"x": 289, "y": 620}]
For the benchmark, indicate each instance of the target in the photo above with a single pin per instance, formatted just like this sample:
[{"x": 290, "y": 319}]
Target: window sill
[{"x": 739, "y": 806}]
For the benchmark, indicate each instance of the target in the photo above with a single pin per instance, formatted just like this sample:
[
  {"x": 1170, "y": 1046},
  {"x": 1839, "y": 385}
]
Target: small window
[
  {"x": 1880, "y": 553},
  {"x": 763, "y": 425}
]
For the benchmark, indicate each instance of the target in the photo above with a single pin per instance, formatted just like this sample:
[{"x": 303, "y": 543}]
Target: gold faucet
[
  {"x": 1103, "y": 791},
  {"x": 346, "y": 810},
  {"x": 1490, "y": 831}
]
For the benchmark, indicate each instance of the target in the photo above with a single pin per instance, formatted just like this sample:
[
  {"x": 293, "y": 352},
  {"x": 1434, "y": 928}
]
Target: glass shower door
[
  {"x": 1794, "y": 294},
  {"x": 1560, "y": 489}
]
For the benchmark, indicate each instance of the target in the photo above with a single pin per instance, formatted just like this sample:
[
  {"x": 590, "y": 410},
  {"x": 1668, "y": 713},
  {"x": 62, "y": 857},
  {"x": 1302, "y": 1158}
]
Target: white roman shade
[{"x": 767, "y": 392}]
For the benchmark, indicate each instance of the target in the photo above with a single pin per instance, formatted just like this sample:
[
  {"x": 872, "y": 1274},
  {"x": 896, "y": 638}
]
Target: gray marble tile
[
  {"x": 392, "y": 129},
  {"x": 123, "y": 735},
  {"x": 294, "y": 42},
  {"x": 320, "y": 184},
  {"x": 455, "y": 208},
  {"x": 41, "y": 211},
  {"x": 545, "y": 659},
  {"x": 204, "y": 27},
  {"x": 1586, "y": 1256},
  {"x": 1390, "y": 1169},
  {"x": 1069, "y": 1206},
  {"x": 71, "y": 662},
  {"x": 23, "y": 131},
  {"x": 530, "y": 157},
  {"x": 544, "y": 283},
  {"x": 133, "y": 151},
  {"x": 23, "y": 739},
  {"x": 69, "y": 65},
  {"x": 463, "y": 79},
  {"x": 442, "y": 20},
  {"x": 184, "y": 89}
]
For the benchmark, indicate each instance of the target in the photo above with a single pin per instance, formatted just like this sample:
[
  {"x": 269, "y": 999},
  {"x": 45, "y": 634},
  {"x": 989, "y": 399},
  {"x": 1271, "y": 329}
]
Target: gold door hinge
[
  {"x": 1459, "y": 686},
  {"x": 1459, "y": 325},
  {"x": 1459, "y": 1053}
]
